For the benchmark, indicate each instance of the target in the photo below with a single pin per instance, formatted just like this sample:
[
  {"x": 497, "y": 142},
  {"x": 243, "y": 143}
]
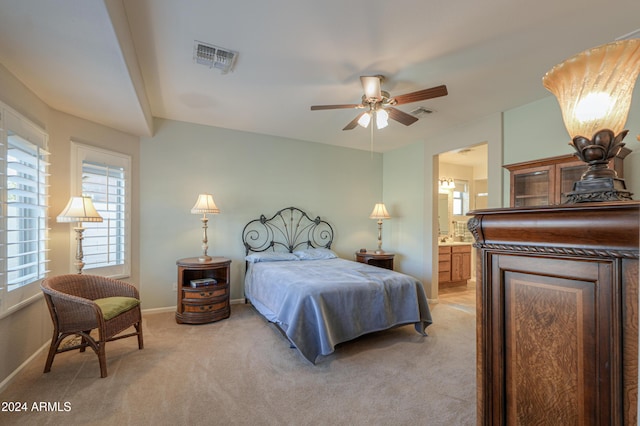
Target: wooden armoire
[{"x": 557, "y": 314}]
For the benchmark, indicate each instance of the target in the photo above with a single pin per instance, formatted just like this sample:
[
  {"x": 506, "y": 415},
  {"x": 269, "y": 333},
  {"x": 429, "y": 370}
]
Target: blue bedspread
[{"x": 320, "y": 303}]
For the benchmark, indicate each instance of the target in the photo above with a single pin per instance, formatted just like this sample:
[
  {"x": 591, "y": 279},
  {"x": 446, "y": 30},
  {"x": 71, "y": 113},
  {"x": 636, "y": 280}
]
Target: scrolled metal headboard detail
[{"x": 289, "y": 229}]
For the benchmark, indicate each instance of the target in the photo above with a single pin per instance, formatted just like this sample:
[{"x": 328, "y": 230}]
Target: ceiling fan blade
[
  {"x": 343, "y": 106},
  {"x": 353, "y": 123},
  {"x": 371, "y": 86},
  {"x": 401, "y": 116},
  {"x": 420, "y": 95}
]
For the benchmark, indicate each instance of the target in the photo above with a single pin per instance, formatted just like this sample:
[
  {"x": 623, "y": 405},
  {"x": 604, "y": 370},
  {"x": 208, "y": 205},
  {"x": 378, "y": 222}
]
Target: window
[
  {"x": 24, "y": 184},
  {"x": 461, "y": 198},
  {"x": 104, "y": 176}
]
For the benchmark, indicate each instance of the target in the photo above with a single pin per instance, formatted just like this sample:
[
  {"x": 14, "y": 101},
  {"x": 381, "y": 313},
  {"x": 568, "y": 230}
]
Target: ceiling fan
[{"x": 379, "y": 104}]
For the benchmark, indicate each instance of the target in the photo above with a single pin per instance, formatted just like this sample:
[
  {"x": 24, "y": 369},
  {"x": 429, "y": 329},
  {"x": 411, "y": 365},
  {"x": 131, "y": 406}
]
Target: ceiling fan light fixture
[
  {"x": 371, "y": 86},
  {"x": 364, "y": 120},
  {"x": 382, "y": 119}
]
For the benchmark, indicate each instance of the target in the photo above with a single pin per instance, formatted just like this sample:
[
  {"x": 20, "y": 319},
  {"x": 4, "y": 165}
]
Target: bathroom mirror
[{"x": 443, "y": 214}]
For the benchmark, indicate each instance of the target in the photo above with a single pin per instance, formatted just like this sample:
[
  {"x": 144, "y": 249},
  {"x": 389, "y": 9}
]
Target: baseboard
[
  {"x": 159, "y": 310},
  {"x": 10, "y": 377}
]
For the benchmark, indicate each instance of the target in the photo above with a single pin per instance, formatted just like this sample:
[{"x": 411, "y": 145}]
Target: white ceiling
[{"x": 122, "y": 62}]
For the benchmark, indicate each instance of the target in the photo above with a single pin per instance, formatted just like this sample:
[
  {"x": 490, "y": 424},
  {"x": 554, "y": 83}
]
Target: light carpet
[{"x": 241, "y": 371}]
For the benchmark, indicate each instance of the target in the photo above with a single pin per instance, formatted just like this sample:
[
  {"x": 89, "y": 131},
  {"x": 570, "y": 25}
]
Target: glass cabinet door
[
  {"x": 568, "y": 175},
  {"x": 533, "y": 187}
]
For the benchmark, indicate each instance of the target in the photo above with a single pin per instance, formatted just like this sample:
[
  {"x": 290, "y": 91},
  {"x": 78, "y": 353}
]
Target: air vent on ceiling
[
  {"x": 214, "y": 56},
  {"x": 420, "y": 111}
]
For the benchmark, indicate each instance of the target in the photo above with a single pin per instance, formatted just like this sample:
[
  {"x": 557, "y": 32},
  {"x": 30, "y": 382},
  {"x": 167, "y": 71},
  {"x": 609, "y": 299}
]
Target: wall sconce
[
  {"x": 594, "y": 90},
  {"x": 446, "y": 183},
  {"x": 379, "y": 212},
  {"x": 204, "y": 205},
  {"x": 79, "y": 209}
]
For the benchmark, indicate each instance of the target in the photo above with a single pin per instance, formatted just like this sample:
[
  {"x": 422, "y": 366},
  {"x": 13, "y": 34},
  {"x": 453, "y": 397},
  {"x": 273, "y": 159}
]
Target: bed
[{"x": 317, "y": 299}]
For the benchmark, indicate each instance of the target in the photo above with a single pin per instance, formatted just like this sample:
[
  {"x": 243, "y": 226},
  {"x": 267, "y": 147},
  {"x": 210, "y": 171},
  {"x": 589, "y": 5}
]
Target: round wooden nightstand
[
  {"x": 381, "y": 260},
  {"x": 203, "y": 290}
]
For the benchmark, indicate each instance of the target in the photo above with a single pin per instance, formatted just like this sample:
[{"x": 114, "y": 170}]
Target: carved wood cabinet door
[{"x": 553, "y": 346}]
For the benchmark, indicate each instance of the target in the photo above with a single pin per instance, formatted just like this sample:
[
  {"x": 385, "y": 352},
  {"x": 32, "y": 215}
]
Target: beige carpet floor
[{"x": 241, "y": 371}]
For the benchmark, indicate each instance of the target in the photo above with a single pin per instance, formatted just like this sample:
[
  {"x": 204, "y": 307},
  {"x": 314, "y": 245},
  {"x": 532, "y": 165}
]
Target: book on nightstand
[{"x": 202, "y": 282}]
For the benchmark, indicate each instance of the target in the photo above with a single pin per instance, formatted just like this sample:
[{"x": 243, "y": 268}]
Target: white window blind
[
  {"x": 104, "y": 242},
  {"x": 104, "y": 175},
  {"x": 24, "y": 214}
]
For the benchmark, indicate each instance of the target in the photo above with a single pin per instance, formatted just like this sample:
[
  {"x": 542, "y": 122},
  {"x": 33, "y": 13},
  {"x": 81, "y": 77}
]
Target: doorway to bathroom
[{"x": 462, "y": 187}]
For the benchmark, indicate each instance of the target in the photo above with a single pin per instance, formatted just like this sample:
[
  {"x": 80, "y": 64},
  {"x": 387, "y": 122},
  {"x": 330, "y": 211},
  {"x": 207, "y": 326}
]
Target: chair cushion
[{"x": 113, "y": 306}]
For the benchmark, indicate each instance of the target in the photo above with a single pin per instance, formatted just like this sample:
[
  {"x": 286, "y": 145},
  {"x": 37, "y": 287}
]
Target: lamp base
[
  {"x": 204, "y": 258},
  {"x": 599, "y": 189}
]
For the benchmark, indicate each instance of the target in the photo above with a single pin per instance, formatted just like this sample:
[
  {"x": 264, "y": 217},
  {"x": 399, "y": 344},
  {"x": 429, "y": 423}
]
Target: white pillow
[
  {"x": 315, "y": 254},
  {"x": 270, "y": 257}
]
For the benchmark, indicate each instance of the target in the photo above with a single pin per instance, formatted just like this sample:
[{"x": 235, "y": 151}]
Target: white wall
[{"x": 249, "y": 175}]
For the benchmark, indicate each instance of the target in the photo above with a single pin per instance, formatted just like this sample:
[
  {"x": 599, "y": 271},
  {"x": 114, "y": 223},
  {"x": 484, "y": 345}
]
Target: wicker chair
[{"x": 80, "y": 303}]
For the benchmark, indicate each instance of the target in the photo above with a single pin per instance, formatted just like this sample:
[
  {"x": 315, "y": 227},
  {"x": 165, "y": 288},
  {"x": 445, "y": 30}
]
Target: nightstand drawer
[
  {"x": 205, "y": 292},
  {"x": 206, "y": 308}
]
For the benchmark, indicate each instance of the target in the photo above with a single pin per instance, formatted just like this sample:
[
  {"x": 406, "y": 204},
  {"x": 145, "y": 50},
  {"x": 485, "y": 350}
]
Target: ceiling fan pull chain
[{"x": 372, "y": 140}]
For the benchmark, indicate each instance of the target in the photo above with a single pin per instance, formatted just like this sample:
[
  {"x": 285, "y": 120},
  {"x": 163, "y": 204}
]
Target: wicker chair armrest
[{"x": 75, "y": 313}]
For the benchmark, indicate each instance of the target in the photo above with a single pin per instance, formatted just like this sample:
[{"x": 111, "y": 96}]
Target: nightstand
[
  {"x": 203, "y": 303},
  {"x": 381, "y": 260}
]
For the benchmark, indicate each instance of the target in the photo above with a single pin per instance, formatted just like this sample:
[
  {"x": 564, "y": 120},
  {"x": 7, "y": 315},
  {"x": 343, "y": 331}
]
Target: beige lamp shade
[
  {"x": 205, "y": 204},
  {"x": 379, "y": 212},
  {"x": 594, "y": 88},
  {"x": 79, "y": 209}
]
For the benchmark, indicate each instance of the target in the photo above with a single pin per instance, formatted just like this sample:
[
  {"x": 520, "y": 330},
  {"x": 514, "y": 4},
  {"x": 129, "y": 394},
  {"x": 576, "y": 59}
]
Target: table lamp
[
  {"x": 379, "y": 212},
  {"x": 204, "y": 205}
]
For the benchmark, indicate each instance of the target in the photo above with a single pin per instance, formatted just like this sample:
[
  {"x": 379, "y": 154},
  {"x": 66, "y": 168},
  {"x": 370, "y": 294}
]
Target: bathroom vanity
[{"x": 454, "y": 263}]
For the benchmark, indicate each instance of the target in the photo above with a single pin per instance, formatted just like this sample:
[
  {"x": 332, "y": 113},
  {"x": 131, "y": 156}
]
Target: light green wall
[
  {"x": 249, "y": 175},
  {"x": 403, "y": 196}
]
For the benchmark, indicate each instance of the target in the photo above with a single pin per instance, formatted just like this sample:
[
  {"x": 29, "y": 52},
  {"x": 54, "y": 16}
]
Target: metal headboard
[{"x": 289, "y": 229}]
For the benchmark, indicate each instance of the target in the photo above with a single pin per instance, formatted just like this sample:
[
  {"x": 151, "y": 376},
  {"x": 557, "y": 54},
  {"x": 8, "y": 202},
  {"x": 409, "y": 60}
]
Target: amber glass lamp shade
[{"x": 594, "y": 90}]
